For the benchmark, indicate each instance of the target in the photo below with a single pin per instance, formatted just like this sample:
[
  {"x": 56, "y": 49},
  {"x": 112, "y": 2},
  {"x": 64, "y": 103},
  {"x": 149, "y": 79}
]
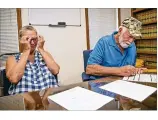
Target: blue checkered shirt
[{"x": 36, "y": 77}]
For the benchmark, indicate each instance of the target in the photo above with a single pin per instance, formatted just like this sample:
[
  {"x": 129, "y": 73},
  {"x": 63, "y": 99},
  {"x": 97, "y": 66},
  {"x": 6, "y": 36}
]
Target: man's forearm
[
  {"x": 99, "y": 70},
  {"x": 51, "y": 64}
]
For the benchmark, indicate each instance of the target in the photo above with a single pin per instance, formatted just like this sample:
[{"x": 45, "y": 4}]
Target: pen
[
  {"x": 139, "y": 77},
  {"x": 134, "y": 77},
  {"x": 150, "y": 77}
]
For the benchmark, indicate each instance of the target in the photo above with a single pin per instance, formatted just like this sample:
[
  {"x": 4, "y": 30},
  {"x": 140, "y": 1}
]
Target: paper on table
[
  {"x": 154, "y": 78},
  {"x": 145, "y": 77},
  {"x": 137, "y": 77},
  {"x": 142, "y": 78},
  {"x": 80, "y": 99},
  {"x": 128, "y": 89},
  {"x": 2, "y": 68}
]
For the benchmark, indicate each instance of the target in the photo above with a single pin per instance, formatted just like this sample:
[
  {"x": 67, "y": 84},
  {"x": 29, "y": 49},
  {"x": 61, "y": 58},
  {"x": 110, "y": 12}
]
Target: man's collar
[{"x": 112, "y": 42}]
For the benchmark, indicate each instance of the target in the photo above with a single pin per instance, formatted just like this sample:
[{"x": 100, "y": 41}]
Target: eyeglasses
[{"x": 33, "y": 39}]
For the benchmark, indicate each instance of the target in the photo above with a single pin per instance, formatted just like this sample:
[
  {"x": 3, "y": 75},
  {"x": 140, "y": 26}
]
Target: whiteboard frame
[{"x": 53, "y": 25}]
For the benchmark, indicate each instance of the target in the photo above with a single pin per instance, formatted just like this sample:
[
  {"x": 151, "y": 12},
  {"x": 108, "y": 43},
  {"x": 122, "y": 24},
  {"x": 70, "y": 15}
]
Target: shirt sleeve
[{"x": 96, "y": 56}]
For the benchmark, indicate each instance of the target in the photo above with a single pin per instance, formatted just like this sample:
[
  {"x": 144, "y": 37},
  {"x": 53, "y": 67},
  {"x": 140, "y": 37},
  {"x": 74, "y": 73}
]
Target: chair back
[
  {"x": 6, "y": 83},
  {"x": 86, "y": 54}
]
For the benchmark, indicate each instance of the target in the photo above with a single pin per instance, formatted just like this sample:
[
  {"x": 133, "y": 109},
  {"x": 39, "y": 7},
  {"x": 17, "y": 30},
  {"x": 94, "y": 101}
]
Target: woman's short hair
[{"x": 25, "y": 28}]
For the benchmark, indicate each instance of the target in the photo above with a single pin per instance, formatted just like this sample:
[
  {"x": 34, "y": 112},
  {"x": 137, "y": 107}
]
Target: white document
[
  {"x": 137, "y": 77},
  {"x": 128, "y": 89},
  {"x": 2, "y": 68},
  {"x": 80, "y": 99},
  {"x": 154, "y": 78},
  {"x": 142, "y": 78}
]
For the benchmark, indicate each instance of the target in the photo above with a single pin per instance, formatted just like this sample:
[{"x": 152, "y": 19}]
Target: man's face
[{"x": 125, "y": 38}]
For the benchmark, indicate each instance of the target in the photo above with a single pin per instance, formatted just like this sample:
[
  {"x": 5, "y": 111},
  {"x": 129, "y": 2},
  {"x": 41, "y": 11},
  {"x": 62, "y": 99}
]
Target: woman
[{"x": 34, "y": 68}]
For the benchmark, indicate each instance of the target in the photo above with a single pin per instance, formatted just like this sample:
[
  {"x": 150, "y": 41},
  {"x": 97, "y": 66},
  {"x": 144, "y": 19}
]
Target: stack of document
[
  {"x": 152, "y": 78},
  {"x": 80, "y": 99},
  {"x": 2, "y": 68}
]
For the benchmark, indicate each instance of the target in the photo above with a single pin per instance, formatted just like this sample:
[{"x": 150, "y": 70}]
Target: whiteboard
[{"x": 39, "y": 16}]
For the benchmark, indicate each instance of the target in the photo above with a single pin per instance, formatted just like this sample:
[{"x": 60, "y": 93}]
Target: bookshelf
[{"x": 147, "y": 45}]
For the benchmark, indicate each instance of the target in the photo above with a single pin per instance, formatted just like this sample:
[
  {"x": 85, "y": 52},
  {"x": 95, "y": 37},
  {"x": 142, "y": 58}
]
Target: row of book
[
  {"x": 150, "y": 64},
  {"x": 146, "y": 43},
  {"x": 147, "y": 16},
  {"x": 150, "y": 61},
  {"x": 147, "y": 50},
  {"x": 152, "y": 58},
  {"x": 149, "y": 31}
]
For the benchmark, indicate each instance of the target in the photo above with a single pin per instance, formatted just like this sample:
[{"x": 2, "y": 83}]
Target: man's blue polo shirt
[{"x": 107, "y": 53}]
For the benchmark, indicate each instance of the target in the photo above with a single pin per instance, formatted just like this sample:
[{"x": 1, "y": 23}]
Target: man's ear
[{"x": 120, "y": 30}]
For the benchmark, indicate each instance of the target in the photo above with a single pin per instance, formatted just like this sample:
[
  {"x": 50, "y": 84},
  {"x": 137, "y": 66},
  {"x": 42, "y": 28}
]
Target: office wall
[
  {"x": 125, "y": 12},
  {"x": 66, "y": 46},
  {"x": 102, "y": 21}
]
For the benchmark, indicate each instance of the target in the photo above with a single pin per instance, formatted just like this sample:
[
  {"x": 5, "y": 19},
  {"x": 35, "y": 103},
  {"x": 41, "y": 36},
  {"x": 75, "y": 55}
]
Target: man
[{"x": 115, "y": 54}]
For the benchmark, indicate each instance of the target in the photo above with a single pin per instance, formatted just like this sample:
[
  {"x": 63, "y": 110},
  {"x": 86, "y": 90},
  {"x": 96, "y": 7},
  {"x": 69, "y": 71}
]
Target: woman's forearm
[
  {"x": 51, "y": 64},
  {"x": 17, "y": 71}
]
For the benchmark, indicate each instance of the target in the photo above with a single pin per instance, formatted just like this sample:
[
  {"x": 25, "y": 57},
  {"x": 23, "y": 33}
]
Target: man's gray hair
[{"x": 123, "y": 28}]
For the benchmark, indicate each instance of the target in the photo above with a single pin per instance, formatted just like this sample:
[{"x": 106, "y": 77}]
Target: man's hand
[
  {"x": 127, "y": 71},
  {"x": 130, "y": 70},
  {"x": 25, "y": 43},
  {"x": 140, "y": 70},
  {"x": 41, "y": 42}
]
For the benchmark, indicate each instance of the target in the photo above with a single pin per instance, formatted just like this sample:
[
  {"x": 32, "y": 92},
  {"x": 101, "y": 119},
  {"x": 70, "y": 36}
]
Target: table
[
  {"x": 38, "y": 100},
  {"x": 33, "y": 100},
  {"x": 148, "y": 104}
]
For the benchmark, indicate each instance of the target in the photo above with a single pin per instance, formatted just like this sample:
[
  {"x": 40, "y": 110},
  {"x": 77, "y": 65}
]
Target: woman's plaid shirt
[{"x": 36, "y": 76}]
